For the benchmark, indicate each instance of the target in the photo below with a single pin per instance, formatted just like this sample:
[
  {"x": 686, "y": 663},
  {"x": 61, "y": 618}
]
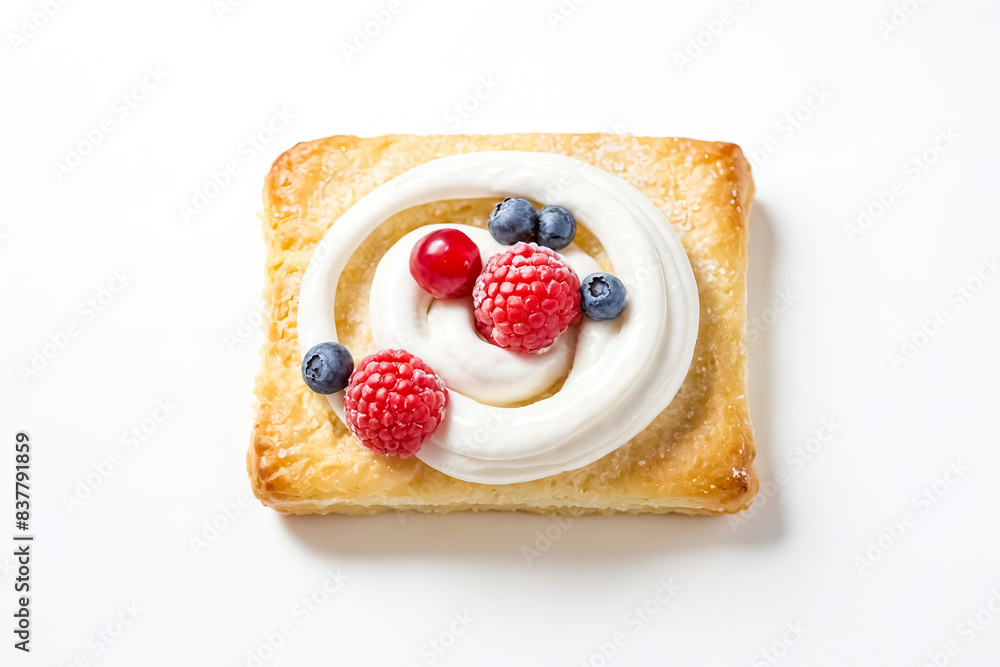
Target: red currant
[{"x": 446, "y": 263}]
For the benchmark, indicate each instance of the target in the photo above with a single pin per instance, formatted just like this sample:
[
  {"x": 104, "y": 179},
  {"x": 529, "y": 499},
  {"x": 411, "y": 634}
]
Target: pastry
[{"x": 628, "y": 395}]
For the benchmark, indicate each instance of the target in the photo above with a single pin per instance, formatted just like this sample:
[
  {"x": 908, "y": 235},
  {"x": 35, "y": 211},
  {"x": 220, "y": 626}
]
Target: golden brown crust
[{"x": 697, "y": 456}]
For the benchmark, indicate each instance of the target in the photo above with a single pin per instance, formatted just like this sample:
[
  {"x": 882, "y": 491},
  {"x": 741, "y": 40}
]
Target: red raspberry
[
  {"x": 525, "y": 297},
  {"x": 394, "y": 402}
]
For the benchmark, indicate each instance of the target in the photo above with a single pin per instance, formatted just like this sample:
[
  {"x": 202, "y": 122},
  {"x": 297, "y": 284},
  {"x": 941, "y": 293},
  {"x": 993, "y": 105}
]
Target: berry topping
[
  {"x": 556, "y": 227},
  {"x": 446, "y": 263},
  {"x": 525, "y": 297},
  {"x": 327, "y": 367},
  {"x": 394, "y": 402},
  {"x": 513, "y": 221},
  {"x": 603, "y": 296}
]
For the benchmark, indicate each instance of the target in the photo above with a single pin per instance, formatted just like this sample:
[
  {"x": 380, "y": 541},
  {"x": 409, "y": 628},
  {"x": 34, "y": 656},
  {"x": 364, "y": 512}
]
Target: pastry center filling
[{"x": 442, "y": 331}]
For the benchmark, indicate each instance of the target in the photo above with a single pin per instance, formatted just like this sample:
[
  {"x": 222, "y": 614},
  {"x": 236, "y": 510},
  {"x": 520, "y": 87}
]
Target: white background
[{"x": 183, "y": 330}]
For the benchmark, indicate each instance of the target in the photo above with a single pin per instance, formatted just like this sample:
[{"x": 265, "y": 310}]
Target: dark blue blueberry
[
  {"x": 327, "y": 367},
  {"x": 513, "y": 220},
  {"x": 556, "y": 227},
  {"x": 603, "y": 296}
]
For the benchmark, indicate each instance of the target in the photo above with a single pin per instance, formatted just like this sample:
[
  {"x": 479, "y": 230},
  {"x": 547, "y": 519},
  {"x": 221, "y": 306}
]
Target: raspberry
[
  {"x": 525, "y": 297},
  {"x": 394, "y": 402}
]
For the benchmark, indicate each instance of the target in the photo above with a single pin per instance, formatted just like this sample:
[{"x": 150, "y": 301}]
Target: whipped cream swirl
[{"x": 619, "y": 375}]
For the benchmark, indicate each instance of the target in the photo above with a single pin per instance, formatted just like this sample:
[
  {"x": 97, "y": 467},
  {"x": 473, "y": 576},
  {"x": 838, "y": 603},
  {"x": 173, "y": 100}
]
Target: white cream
[{"x": 624, "y": 372}]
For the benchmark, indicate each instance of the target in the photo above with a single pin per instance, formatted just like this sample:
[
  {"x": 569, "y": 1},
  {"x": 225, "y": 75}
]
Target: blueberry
[
  {"x": 327, "y": 367},
  {"x": 556, "y": 227},
  {"x": 513, "y": 220},
  {"x": 603, "y": 296}
]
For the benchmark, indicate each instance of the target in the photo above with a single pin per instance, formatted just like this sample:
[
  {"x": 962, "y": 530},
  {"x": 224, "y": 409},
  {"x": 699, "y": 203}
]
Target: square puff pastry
[{"x": 696, "y": 457}]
